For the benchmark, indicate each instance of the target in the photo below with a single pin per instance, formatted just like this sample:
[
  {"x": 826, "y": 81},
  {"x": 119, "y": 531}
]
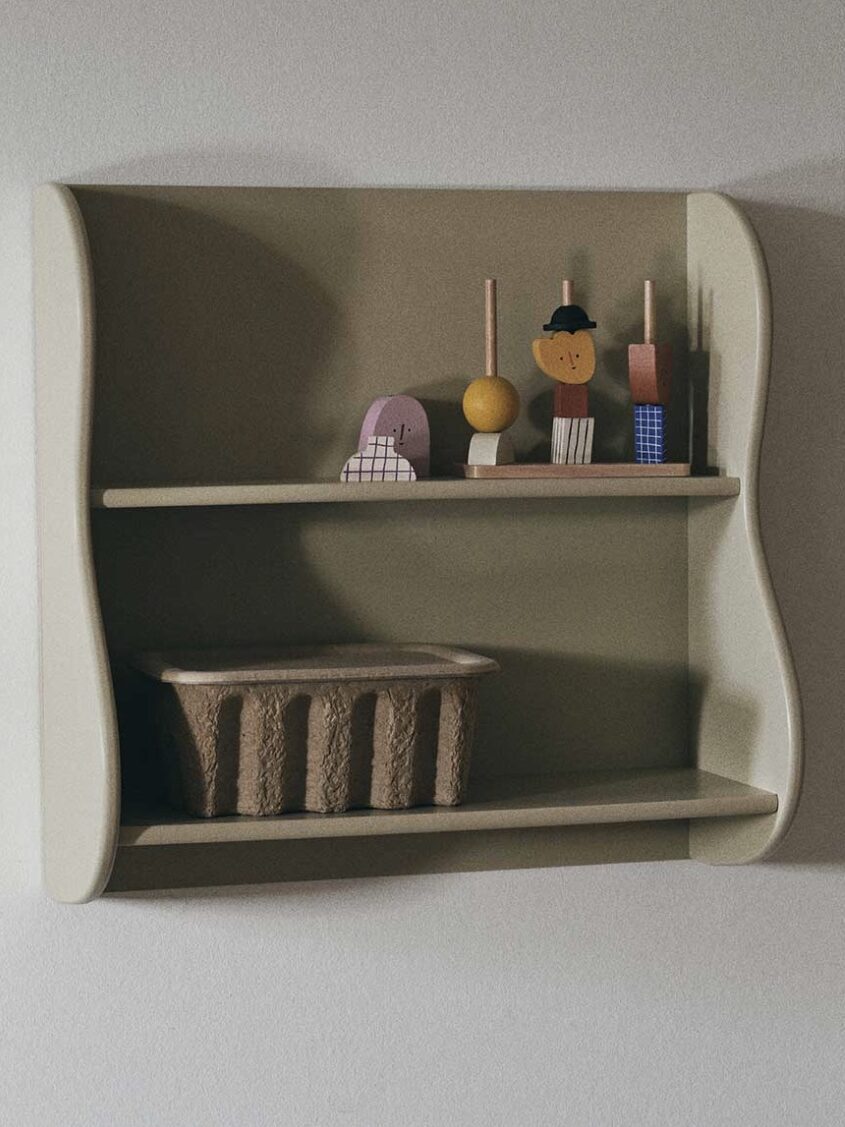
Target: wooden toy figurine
[
  {"x": 394, "y": 444},
  {"x": 491, "y": 403},
  {"x": 650, "y": 377},
  {"x": 569, "y": 358}
]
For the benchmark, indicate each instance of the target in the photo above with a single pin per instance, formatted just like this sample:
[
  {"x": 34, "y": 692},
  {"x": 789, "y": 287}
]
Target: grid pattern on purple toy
[
  {"x": 649, "y": 434},
  {"x": 378, "y": 462}
]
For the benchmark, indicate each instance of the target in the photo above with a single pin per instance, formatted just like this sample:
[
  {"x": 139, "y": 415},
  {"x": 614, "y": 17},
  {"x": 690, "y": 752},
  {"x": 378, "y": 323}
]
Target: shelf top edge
[
  {"x": 502, "y": 189},
  {"x": 519, "y": 802},
  {"x": 294, "y": 492}
]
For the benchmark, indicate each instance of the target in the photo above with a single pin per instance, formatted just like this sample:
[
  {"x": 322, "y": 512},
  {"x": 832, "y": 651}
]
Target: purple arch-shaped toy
[{"x": 402, "y": 418}]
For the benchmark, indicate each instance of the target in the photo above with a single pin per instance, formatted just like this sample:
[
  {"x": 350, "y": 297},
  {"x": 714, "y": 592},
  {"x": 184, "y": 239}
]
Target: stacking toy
[
  {"x": 490, "y": 403},
  {"x": 569, "y": 358}
]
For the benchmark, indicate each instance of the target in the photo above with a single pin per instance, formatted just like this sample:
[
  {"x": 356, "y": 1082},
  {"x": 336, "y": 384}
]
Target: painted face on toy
[
  {"x": 402, "y": 418},
  {"x": 566, "y": 357}
]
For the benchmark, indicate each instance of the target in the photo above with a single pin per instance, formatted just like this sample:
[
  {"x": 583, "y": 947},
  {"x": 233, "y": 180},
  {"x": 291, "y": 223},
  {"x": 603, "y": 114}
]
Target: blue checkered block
[{"x": 649, "y": 434}]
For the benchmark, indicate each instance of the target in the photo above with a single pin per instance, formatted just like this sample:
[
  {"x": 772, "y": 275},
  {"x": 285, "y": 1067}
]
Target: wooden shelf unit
[{"x": 647, "y": 707}]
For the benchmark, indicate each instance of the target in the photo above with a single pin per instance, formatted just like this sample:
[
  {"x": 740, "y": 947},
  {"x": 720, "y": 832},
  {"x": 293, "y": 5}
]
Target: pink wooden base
[{"x": 593, "y": 469}]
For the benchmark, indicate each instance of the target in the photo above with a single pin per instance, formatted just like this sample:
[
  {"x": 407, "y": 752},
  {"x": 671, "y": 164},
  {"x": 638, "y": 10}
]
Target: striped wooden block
[{"x": 572, "y": 441}]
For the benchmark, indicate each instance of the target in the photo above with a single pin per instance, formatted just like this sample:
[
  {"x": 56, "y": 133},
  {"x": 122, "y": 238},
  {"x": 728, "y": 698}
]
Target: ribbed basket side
[
  {"x": 458, "y": 710},
  {"x": 197, "y": 719},
  {"x": 394, "y": 744},
  {"x": 269, "y": 758},
  {"x": 269, "y": 749},
  {"x": 328, "y": 776}
]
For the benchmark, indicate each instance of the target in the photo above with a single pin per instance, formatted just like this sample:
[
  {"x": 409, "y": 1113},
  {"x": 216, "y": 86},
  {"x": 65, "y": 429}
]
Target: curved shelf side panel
[
  {"x": 745, "y": 709},
  {"x": 80, "y": 760}
]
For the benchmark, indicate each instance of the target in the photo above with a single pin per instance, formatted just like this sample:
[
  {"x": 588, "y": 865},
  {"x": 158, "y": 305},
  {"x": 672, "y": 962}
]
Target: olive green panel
[
  {"x": 242, "y": 332},
  {"x": 583, "y": 603}
]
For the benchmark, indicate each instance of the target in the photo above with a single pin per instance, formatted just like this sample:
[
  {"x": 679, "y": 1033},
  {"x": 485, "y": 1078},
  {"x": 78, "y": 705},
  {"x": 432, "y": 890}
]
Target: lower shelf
[{"x": 588, "y": 798}]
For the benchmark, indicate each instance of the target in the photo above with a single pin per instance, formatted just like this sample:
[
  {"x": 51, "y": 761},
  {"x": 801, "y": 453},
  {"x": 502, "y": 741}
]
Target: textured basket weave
[{"x": 319, "y": 730}]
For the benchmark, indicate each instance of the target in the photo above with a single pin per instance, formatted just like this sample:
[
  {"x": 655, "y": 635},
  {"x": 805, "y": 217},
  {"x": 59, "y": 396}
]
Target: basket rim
[{"x": 312, "y": 665}]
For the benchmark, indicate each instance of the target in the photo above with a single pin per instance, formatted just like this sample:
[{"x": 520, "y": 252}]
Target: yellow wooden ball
[{"x": 491, "y": 404}]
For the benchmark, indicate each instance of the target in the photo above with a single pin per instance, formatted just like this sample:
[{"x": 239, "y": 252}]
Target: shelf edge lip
[
  {"x": 447, "y": 489},
  {"x": 390, "y": 823}
]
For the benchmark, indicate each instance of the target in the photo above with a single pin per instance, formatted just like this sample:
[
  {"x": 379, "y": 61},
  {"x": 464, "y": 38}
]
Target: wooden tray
[{"x": 594, "y": 469}]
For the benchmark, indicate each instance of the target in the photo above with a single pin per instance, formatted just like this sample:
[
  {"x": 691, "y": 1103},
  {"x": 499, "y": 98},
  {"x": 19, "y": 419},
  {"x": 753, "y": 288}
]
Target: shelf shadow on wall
[
  {"x": 200, "y": 579},
  {"x": 738, "y": 721},
  {"x": 212, "y": 340}
]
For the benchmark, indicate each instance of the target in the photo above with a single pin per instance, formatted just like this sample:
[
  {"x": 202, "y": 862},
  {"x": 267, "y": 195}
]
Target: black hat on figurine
[{"x": 569, "y": 319}]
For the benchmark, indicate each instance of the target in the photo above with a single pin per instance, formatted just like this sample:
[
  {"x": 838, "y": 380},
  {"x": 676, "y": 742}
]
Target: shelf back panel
[
  {"x": 242, "y": 332},
  {"x": 583, "y": 603}
]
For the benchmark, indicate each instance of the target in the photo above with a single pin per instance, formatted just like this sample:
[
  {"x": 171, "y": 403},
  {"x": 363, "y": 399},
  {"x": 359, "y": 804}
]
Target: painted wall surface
[{"x": 629, "y": 995}]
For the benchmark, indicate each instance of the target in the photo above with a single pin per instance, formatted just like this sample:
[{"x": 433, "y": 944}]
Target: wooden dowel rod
[
  {"x": 649, "y": 313},
  {"x": 491, "y": 350},
  {"x": 567, "y": 290}
]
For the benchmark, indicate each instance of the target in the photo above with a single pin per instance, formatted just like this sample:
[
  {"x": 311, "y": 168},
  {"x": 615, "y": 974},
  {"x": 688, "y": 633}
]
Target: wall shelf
[
  {"x": 588, "y": 798},
  {"x": 211, "y": 351},
  {"x": 443, "y": 489}
]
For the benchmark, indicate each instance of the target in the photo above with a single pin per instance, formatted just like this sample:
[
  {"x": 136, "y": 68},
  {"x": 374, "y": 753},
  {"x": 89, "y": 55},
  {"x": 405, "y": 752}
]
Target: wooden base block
[
  {"x": 490, "y": 450},
  {"x": 594, "y": 469}
]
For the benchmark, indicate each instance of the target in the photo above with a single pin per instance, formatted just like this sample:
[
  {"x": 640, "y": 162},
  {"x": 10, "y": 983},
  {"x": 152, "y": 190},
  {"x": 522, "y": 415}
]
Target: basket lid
[{"x": 311, "y": 664}]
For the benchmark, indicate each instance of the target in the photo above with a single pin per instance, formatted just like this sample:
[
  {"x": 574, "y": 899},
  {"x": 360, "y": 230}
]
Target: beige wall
[{"x": 627, "y": 995}]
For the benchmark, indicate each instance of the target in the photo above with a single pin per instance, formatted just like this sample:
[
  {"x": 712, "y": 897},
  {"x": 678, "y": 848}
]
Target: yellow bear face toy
[
  {"x": 569, "y": 354},
  {"x": 566, "y": 357}
]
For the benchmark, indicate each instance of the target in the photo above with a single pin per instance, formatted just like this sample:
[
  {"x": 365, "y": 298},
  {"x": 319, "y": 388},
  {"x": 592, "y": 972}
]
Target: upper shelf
[{"x": 435, "y": 489}]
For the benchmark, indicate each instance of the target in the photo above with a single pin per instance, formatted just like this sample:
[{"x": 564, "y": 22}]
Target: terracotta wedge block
[
  {"x": 571, "y": 401},
  {"x": 650, "y": 373}
]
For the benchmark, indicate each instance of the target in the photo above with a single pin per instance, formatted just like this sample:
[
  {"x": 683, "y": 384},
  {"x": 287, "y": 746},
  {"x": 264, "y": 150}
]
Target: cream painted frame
[
  {"x": 80, "y": 753},
  {"x": 737, "y": 641},
  {"x": 737, "y": 647}
]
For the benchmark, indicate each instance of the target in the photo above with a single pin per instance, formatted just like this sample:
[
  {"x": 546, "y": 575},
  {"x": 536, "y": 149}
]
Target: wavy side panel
[
  {"x": 745, "y": 708},
  {"x": 80, "y": 761}
]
